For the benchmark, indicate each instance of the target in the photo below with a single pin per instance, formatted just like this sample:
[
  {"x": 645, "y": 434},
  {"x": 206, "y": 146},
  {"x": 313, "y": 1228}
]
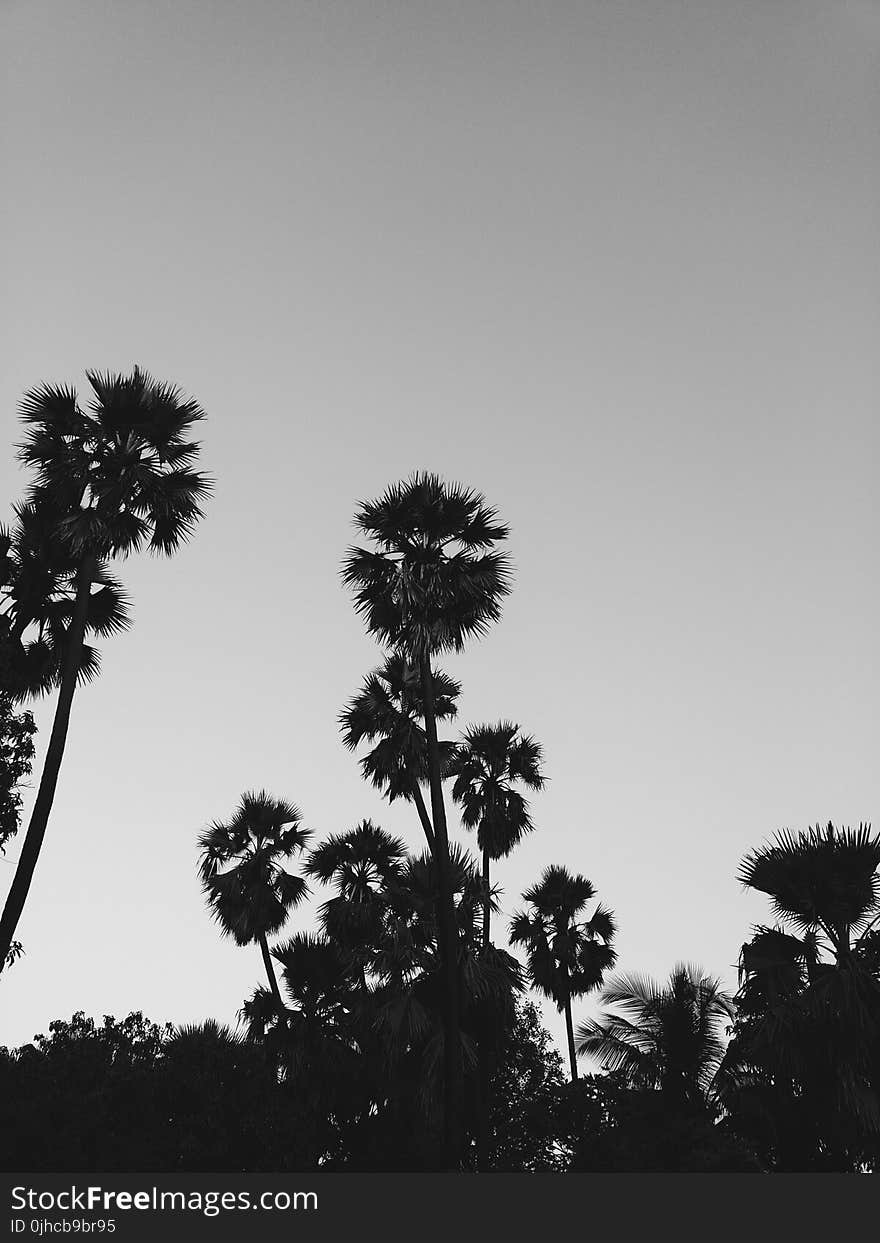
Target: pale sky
[{"x": 613, "y": 264}]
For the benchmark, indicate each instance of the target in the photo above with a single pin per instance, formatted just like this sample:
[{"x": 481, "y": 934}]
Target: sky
[{"x": 615, "y": 265}]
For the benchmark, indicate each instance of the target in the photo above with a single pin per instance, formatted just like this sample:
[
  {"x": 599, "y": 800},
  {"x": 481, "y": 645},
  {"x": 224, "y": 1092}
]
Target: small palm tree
[
  {"x": 567, "y": 957},
  {"x": 487, "y": 763},
  {"x": 389, "y": 711},
  {"x": 670, "y": 1037},
  {"x": 432, "y": 580},
  {"x": 249, "y": 892},
  {"x": 108, "y": 481}
]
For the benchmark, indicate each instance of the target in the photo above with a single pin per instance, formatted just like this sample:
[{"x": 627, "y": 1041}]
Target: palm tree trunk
[
  {"x": 30, "y": 851},
  {"x": 569, "y": 1031},
  {"x": 270, "y": 972},
  {"x": 483, "y": 1068},
  {"x": 486, "y": 911},
  {"x": 483, "y": 1078},
  {"x": 423, "y": 816},
  {"x": 454, "y": 1087}
]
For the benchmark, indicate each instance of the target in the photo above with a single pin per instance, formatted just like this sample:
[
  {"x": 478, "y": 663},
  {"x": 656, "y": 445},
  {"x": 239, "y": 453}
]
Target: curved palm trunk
[
  {"x": 423, "y": 816},
  {"x": 569, "y": 1031},
  {"x": 453, "y": 1083},
  {"x": 270, "y": 972},
  {"x": 36, "y": 831}
]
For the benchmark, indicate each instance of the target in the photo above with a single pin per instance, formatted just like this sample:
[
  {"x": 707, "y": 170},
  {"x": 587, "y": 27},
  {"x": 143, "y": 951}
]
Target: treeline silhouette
[{"x": 400, "y": 1036}]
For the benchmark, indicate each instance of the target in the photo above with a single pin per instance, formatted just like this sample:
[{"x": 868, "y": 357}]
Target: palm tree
[
  {"x": 486, "y": 764},
  {"x": 360, "y": 864},
  {"x": 431, "y": 581},
  {"x": 108, "y": 480},
  {"x": 809, "y": 1001},
  {"x": 249, "y": 893},
  {"x": 670, "y": 1038},
  {"x": 389, "y": 711},
  {"x": 566, "y": 957}
]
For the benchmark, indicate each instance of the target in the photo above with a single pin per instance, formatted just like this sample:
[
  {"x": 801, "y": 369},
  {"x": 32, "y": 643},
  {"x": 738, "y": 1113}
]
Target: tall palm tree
[
  {"x": 249, "y": 892},
  {"x": 567, "y": 957},
  {"x": 487, "y": 763},
  {"x": 809, "y": 1001},
  {"x": 108, "y": 481},
  {"x": 670, "y": 1037},
  {"x": 432, "y": 580},
  {"x": 389, "y": 711}
]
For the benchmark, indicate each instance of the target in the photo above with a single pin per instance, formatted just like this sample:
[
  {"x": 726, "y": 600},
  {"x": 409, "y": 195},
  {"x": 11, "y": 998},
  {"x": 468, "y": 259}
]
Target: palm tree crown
[
  {"x": 360, "y": 864},
  {"x": 434, "y": 579},
  {"x": 668, "y": 1037},
  {"x": 248, "y": 891},
  {"x": 487, "y": 763},
  {"x": 123, "y": 467},
  {"x": 823, "y": 882},
  {"x": 389, "y": 711},
  {"x": 38, "y": 597}
]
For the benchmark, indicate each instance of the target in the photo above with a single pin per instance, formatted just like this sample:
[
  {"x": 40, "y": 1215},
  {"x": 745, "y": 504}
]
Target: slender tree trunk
[
  {"x": 487, "y": 914},
  {"x": 453, "y": 1082},
  {"x": 569, "y": 1031},
  {"x": 270, "y": 972},
  {"x": 30, "y": 851},
  {"x": 483, "y": 1068},
  {"x": 423, "y": 816}
]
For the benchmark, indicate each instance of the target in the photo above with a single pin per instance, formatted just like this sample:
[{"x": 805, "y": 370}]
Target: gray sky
[{"x": 613, "y": 264}]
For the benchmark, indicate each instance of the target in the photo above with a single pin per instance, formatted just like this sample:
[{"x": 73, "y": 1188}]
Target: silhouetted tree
[
  {"x": 360, "y": 864},
  {"x": 608, "y": 1126},
  {"x": 431, "y": 581},
  {"x": 669, "y": 1038},
  {"x": 108, "y": 480},
  {"x": 566, "y": 957},
  {"x": 524, "y": 1113},
  {"x": 802, "y": 1073},
  {"x": 389, "y": 711},
  {"x": 487, "y": 764},
  {"x": 249, "y": 893}
]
